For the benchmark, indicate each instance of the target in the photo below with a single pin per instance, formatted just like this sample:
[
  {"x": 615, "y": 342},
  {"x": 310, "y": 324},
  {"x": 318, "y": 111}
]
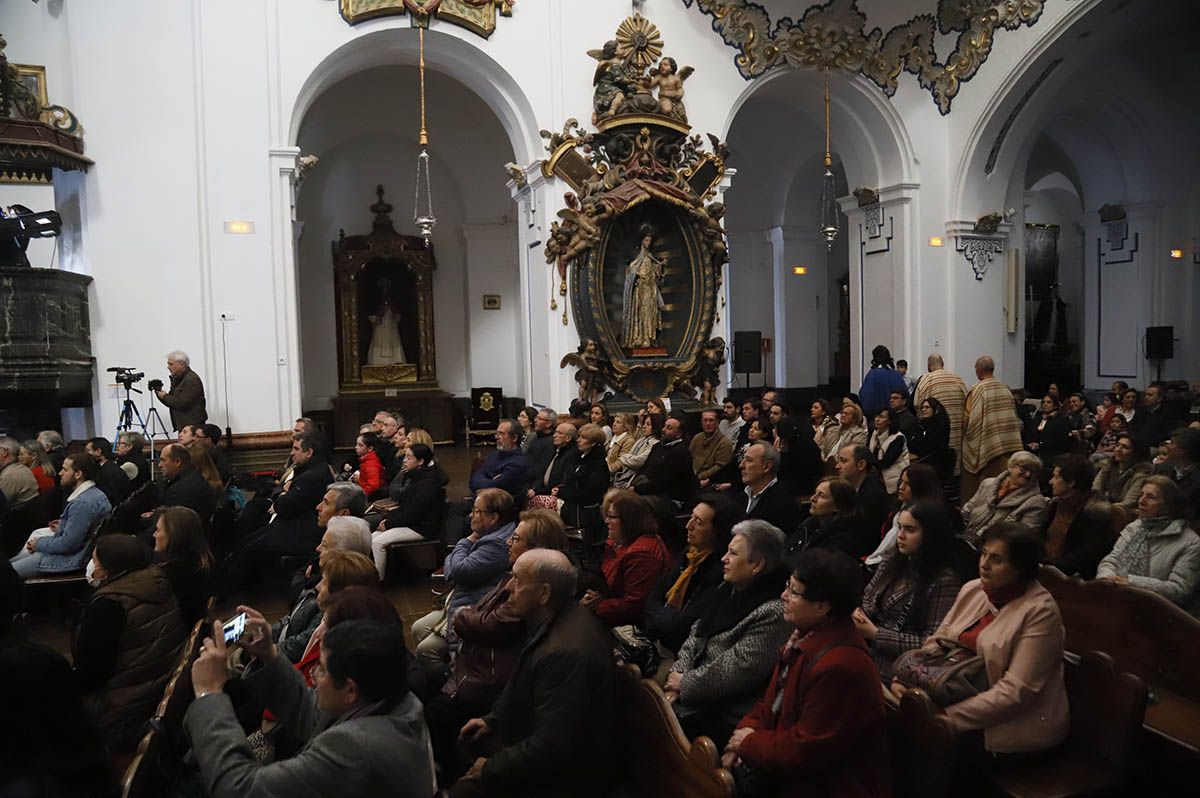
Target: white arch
[
  {"x": 456, "y": 57},
  {"x": 882, "y": 155}
]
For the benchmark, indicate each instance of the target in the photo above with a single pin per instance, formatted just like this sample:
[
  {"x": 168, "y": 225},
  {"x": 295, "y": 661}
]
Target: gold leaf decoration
[
  {"x": 834, "y": 35},
  {"x": 638, "y": 40}
]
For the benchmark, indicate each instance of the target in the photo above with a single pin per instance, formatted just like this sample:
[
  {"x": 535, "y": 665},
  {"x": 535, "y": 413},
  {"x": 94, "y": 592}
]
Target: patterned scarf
[{"x": 678, "y": 590}]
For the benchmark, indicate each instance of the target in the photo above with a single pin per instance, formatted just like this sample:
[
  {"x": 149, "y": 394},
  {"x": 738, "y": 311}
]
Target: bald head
[
  {"x": 984, "y": 367},
  {"x": 935, "y": 362},
  {"x": 549, "y": 568}
]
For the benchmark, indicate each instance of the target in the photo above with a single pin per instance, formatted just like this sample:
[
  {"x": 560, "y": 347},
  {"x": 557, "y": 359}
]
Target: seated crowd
[{"x": 781, "y": 580}]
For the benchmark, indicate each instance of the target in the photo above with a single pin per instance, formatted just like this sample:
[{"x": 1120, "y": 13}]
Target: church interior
[{"x": 605, "y": 273}]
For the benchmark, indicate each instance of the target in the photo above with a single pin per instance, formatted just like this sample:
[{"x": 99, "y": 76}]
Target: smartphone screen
[{"x": 234, "y": 628}]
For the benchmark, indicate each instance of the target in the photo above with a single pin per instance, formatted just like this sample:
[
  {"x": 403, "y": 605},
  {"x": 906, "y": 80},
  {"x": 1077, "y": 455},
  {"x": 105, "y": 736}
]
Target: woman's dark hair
[
  {"x": 357, "y": 602},
  {"x": 924, "y": 483},
  {"x": 1023, "y": 544},
  {"x": 1082, "y": 398},
  {"x": 122, "y": 553},
  {"x": 371, "y": 653},
  {"x": 768, "y": 429},
  {"x": 893, "y": 419},
  {"x": 935, "y": 404},
  {"x": 935, "y": 556},
  {"x": 830, "y": 576},
  {"x": 371, "y": 440},
  {"x": 530, "y": 413},
  {"x": 1076, "y": 469},
  {"x": 656, "y": 423},
  {"x": 185, "y": 537},
  {"x": 1052, "y": 398},
  {"x": 825, "y": 408},
  {"x": 1137, "y": 397},
  {"x": 636, "y": 517},
  {"x": 726, "y": 513},
  {"x": 421, "y": 452},
  {"x": 604, "y": 417},
  {"x": 845, "y": 498},
  {"x": 853, "y": 397},
  {"x": 1112, "y": 397}
]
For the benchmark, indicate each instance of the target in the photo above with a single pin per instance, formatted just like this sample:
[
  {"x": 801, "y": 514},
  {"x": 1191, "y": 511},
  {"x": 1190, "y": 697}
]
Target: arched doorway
[
  {"x": 782, "y": 280},
  {"x": 357, "y": 114}
]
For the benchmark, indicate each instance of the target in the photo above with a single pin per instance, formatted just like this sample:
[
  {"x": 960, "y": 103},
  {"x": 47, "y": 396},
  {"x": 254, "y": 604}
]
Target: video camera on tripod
[{"x": 127, "y": 377}]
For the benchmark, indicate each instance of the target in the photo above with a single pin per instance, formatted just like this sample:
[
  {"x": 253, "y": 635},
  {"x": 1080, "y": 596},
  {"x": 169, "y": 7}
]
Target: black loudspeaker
[
  {"x": 1160, "y": 343},
  {"x": 747, "y": 352}
]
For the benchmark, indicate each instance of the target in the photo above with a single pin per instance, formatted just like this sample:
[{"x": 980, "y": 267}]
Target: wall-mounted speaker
[
  {"x": 747, "y": 352},
  {"x": 1160, "y": 343}
]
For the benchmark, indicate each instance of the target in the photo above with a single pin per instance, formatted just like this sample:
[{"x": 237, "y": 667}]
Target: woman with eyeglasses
[
  {"x": 634, "y": 558},
  {"x": 1013, "y": 496}
]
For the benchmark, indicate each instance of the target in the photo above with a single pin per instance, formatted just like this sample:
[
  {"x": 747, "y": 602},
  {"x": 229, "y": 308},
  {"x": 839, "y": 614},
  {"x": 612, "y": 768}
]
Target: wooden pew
[
  {"x": 1146, "y": 635},
  {"x": 658, "y": 757},
  {"x": 922, "y": 746}
]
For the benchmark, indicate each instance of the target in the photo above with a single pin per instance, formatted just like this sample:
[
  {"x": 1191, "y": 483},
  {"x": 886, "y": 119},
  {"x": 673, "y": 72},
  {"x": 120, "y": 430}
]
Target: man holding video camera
[{"x": 186, "y": 397}]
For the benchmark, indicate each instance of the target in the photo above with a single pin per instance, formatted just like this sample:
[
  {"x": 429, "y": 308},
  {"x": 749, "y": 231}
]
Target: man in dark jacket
[
  {"x": 667, "y": 477},
  {"x": 184, "y": 486},
  {"x": 505, "y": 467},
  {"x": 186, "y": 397},
  {"x": 1182, "y": 464},
  {"x": 540, "y": 451},
  {"x": 1152, "y": 424},
  {"x": 562, "y": 461},
  {"x": 129, "y": 451},
  {"x": 559, "y": 700},
  {"x": 294, "y": 530},
  {"x": 113, "y": 481},
  {"x": 898, "y": 401},
  {"x": 763, "y": 496},
  {"x": 854, "y": 465}
]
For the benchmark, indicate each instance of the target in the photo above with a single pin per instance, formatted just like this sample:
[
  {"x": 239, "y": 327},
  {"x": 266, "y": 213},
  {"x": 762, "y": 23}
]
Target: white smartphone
[{"x": 234, "y": 629}]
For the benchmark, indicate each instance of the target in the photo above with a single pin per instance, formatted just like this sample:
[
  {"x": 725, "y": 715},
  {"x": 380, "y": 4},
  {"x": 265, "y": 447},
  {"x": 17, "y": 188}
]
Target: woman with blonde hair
[
  {"x": 203, "y": 461},
  {"x": 849, "y": 432},
  {"x": 624, "y": 427},
  {"x": 418, "y": 435}
]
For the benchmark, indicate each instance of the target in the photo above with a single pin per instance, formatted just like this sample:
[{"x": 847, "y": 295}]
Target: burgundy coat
[
  {"x": 490, "y": 640},
  {"x": 630, "y": 572},
  {"x": 830, "y": 737}
]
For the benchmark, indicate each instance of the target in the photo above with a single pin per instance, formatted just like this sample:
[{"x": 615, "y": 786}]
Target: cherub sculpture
[
  {"x": 614, "y": 77},
  {"x": 584, "y": 225},
  {"x": 588, "y": 377},
  {"x": 708, "y": 371},
  {"x": 712, "y": 232},
  {"x": 668, "y": 79}
]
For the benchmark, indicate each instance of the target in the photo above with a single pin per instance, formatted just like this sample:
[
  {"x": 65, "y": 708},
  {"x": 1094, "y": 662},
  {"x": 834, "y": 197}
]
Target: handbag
[
  {"x": 632, "y": 646},
  {"x": 949, "y": 674}
]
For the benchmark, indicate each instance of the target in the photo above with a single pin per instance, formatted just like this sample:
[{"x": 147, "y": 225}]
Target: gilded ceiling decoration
[
  {"x": 477, "y": 16},
  {"x": 834, "y": 35}
]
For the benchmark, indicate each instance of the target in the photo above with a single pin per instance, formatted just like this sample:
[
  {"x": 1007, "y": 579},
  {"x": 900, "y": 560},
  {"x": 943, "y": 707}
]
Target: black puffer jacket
[{"x": 422, "y": 498}]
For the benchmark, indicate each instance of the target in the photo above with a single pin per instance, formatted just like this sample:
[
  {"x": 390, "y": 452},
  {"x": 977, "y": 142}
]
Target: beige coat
[
  {"x": 1025, "y": 709},
  {"x": 619, "y": 445}
]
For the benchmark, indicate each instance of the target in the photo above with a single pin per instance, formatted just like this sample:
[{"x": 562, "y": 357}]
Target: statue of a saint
[
  {"x": 643, "y": 299},
  {"x": 386, "y": 347}
]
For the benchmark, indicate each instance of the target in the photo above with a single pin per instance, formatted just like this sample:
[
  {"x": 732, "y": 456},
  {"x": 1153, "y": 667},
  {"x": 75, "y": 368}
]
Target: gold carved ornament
[
  {"x": 834, "y": 35},
  {"x": 477, "y": 16}
]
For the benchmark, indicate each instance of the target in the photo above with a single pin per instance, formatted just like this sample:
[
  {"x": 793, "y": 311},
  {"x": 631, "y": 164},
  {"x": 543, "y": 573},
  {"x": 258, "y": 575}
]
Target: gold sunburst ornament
[{"x": 639, "y": 41}]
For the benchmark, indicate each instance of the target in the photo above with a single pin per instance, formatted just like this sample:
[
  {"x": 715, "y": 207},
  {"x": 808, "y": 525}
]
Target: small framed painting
[{"x": 491, "y": 301}]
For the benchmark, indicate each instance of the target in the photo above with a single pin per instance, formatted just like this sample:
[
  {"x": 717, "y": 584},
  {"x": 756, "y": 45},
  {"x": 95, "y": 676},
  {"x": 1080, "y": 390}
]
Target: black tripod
[{"x": 129, "y": 412}]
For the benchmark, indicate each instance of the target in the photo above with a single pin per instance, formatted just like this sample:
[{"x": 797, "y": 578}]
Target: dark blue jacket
[
  {"x": 877, "y": 389},
  {"x": 502, "y": 469}
]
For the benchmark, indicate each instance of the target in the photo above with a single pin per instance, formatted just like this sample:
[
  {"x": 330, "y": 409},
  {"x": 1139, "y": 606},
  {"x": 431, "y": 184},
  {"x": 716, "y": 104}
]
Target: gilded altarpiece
[{"x": 384, "y": 299}]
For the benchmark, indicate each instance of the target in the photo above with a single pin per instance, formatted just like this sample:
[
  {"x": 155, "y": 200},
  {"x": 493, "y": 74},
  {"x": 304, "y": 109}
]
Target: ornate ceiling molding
[
  {"x": 834, "y": 35},
  {"x": 477, "y": 16}
]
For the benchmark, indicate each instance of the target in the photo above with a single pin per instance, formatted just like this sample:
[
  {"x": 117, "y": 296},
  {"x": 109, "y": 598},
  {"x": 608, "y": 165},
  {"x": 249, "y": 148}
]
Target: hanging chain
[{"x": 828, "y": 158}]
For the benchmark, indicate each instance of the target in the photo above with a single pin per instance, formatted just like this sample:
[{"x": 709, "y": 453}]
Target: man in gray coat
[{"x": 364, "y": 730}]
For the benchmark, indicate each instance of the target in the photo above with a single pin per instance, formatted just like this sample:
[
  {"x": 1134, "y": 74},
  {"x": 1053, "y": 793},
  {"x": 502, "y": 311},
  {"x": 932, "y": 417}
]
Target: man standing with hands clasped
[{"x": 363, "y": 730}]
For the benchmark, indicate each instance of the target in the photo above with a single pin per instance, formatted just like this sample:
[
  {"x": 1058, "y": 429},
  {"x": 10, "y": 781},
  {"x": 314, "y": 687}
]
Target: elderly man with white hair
[{"x": 186, "y": 397}]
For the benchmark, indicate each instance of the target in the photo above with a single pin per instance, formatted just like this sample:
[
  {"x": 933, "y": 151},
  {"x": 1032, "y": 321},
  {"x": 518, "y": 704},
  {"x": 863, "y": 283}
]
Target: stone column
[{"x": 283, "y": 260}]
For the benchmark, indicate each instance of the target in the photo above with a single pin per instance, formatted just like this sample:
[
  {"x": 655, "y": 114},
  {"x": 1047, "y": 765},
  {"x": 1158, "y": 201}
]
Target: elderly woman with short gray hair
[
  {"x": 726, "y": 661},
  {"x": 1012, "y": 496}
]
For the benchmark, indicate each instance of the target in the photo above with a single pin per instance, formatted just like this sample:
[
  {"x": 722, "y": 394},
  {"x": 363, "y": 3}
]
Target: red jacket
[
  {"x": 830, "y": 737},
  {"x": 631, "y": 572},
  {"x": 370, "y": 473}
]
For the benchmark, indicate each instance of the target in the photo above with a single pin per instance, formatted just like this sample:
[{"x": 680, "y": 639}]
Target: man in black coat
[
  {"x": 561, "y": 463},
  {"x": 113, "y": 482},
  {"x": 905, "y": 420},
  {"x": 667, "y": 475},
  {"x": 1153, "y": 422},
  {"x": 553, "y": 728},
  {"x": 184, "y": 486},
  {"x": 763, "y": 496},
  {"x": 129, "y": 450},
  {"x": 540, "y": 451},
  {"x": 1182, "y": 465},
  {"x": 854, "y": 465},
  {"x": 294, "y": 530}
]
